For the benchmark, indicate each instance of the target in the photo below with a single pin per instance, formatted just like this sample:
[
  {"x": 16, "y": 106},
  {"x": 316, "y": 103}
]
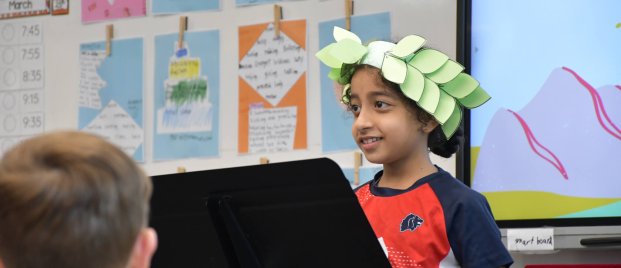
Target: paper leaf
[
  {"x": 394, "y": 69},
  {"x": 348, "y": 51},
  {"x": 446, "y": 73},
  {"x": 342, "y": 34},
  {"x": 461, "y": 86},
  {"x": 334, "y": 74},
  {"x": 428, "y": 60},
  {"x": 452, "y": 124},
  {"x": 414, "y": 84},
  {"x": 446, "y": 105},
  {"x": 475, "y": 99},
  {"x": 324, "y": 56},
  {"x": 430, "y": 98},
  {"x": 408, "y": 45}
]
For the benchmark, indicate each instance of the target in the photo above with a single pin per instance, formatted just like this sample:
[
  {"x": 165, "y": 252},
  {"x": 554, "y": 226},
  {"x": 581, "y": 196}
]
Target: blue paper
[
  {"x": 366, "y": 174},
  {"x": 175, "y": 136},
  {"x": 254, "y": 2},
  {"x": 122, "y": 76},
  {"x": 336, "y": 122},
  {"x": 177, "y": 6}
]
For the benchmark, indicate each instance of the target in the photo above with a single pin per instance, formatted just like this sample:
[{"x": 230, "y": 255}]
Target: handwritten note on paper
[
  {"x": 117, "y": 126},
  {"x": 273, "y": 65},
  {"x": 530, "y": 239},
  {"x": 272, "y": 130},
  {"x": 90, "y": 81}
]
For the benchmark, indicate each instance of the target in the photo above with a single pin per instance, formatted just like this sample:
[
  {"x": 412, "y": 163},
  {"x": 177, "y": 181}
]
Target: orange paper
[{"x": 272, "y": 77}]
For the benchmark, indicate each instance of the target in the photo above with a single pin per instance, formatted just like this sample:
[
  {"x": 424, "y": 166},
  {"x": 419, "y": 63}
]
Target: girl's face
[{"x": 384, "y": 128}]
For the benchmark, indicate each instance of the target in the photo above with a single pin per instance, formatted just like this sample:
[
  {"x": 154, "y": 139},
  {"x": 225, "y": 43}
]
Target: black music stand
[{"x": 294, "y": 214}]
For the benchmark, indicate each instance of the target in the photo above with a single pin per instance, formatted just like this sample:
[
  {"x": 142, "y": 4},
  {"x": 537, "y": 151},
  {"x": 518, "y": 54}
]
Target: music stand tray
[{"x": 292, "y": 214}]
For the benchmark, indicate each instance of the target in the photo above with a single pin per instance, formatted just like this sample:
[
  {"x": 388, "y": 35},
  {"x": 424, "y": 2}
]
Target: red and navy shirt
[{"x": 437, "y": 222}]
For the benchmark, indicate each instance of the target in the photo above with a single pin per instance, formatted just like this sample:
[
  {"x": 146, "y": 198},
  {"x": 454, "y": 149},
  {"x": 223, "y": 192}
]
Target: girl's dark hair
[{"x": 436, "y": 141}]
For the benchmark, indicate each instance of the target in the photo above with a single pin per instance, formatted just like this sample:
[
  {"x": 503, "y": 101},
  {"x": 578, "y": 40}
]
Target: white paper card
[
  {"x": 273, "y": 65},
  {"x": 272, "y": 129},
  {"x": 530, "y": 239}
]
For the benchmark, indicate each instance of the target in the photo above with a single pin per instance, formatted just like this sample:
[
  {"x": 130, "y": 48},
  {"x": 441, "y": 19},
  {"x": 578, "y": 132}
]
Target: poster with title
[
  {"x": 22, "y": 80},
  {"x": 111, "y": 94},
  {"x": 162, "y": 7},
  {"x": 336, "y": 120},
  {"x": 187, "y": 93},
  {"x": 272, "y": 88},
  {"x": 23, "y": 8},
  {"x": 103, "y": 10}
]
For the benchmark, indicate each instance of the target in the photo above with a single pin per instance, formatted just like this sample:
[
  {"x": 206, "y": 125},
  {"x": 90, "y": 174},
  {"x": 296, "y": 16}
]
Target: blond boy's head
[{"x": 71, "y": 199}]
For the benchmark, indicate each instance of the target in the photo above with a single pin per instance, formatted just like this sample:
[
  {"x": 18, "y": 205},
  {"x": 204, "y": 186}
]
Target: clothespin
[
  {"x": 109, "y": 36},
  {"x": 183, "y": 26},
  {"x": 277, "y": 18},
  {"x": 357, "y": 164},
  {"x": 264, "y": 160},
  {"x": 181, "y": 169},
  {"x": 349, "y": 10}
]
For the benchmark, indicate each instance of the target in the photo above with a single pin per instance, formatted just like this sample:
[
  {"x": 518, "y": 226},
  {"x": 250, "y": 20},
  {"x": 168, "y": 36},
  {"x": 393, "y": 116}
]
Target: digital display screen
[{"x": 548, "y": 143}]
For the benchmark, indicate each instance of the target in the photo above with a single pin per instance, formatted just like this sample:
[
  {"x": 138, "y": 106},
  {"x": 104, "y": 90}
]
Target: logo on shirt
[{"x": 411, "y": 222}]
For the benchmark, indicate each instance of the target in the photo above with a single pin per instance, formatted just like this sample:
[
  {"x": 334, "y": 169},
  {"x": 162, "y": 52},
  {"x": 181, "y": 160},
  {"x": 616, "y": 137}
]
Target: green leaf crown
[{"x": 436, "y": 83}]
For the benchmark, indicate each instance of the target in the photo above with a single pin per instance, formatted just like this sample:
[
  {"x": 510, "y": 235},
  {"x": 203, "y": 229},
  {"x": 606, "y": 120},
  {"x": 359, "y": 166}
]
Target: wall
[{"x": 433, "y": 19}]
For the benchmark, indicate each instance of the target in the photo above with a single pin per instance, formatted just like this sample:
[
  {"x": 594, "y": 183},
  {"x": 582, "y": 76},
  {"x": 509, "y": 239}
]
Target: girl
[{"x": 407, "y": 101}]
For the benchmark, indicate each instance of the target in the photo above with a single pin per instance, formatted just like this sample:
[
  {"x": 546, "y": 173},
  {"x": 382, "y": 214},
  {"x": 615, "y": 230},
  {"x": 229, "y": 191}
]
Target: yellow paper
[{"x": 184, "y": 69}]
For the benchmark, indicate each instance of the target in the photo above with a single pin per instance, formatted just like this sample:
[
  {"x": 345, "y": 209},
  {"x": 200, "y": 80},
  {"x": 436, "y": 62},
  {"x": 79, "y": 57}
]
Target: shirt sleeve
[{"x": 474, "y": 235}]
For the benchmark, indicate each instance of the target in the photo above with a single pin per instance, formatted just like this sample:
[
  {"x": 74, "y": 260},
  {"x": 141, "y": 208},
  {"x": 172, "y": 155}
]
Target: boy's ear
[
  {"x": 143, "y": 250},
  {"x": 1, "y": 264}
]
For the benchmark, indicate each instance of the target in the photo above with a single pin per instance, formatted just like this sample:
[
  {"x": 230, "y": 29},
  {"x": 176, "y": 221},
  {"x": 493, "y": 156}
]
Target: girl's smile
[{"x": 369, "y": 143}]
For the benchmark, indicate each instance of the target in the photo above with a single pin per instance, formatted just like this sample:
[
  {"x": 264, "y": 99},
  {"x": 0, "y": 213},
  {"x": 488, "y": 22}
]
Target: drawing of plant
[{"x": 188, "y": 91}]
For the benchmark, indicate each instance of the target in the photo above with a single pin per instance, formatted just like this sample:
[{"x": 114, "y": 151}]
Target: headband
[{"x": 436, "y": 83}]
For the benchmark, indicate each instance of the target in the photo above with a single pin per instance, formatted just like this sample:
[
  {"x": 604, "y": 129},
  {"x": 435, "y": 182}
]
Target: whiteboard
[{"x": 433, "y": 19}]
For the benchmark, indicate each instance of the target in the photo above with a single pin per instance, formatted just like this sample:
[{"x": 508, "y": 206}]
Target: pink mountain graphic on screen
[
  {"x": 565, "y": 140},
  {"x": 539, "y": 149}
]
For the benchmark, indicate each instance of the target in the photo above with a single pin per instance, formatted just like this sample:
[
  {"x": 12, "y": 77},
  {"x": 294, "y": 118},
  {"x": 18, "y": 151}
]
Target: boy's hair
[
  {"x": 436, "y": 141},
  {"x": 70, "y": 199}
]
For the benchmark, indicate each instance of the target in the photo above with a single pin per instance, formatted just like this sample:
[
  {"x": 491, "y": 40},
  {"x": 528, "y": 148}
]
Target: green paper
[
  {"x": 414, "y": 84},
  {"x": 430, "y": 98},
  {"x": 446, "y": 105},
  {"x": 475, "y": 99},
  {"x": 348, "y": 51},
  {"x": 452, "y": 124},
  {"x": 408, "y": 45},
  {"x": 342, "y": 34},
  {"x": 428, "y": 60},
  {"x": 324, "y": 56},
  {"x": 335, "y": 74},
  {"x": 461, "y": 86},
  {"x": 446, "y": 73},
  {"x": 427, "y": 76},
  {"x": 394, "y": 69}
]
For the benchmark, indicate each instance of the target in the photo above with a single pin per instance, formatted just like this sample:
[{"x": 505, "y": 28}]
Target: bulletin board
[{"x": 214, "y": 34}]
